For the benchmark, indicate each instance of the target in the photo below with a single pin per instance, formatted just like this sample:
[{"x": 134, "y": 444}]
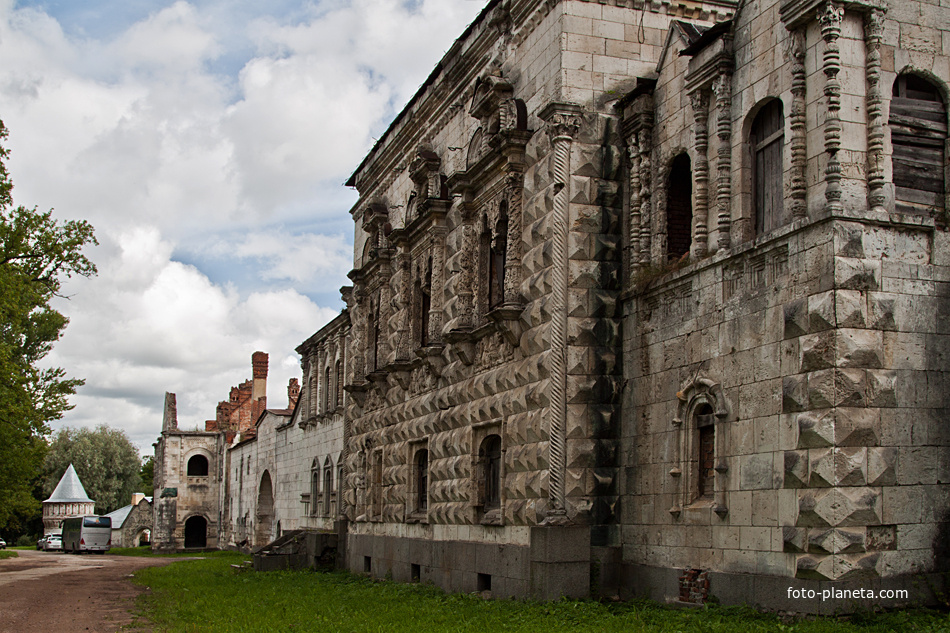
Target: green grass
[
  {"x": 148, "y": 553},
  {"x": 4, "y": 553},
  {"x": 208, "y": 595}
]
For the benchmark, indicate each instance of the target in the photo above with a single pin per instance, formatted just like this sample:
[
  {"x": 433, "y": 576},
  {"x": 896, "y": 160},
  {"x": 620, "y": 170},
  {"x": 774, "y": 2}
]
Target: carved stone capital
[{"x": 563, "y": 120}]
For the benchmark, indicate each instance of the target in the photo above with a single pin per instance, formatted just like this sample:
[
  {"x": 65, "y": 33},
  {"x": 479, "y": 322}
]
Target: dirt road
[{"x": 52, "y": 592}]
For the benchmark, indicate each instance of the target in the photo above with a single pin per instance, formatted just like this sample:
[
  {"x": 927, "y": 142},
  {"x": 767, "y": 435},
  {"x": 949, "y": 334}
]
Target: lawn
[
  {"x": 209, "y": 595},
  {"x": 4, "y": 553}
]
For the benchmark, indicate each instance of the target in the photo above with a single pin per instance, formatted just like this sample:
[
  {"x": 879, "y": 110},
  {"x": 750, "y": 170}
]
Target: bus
[{"x": 87, "y": 534}]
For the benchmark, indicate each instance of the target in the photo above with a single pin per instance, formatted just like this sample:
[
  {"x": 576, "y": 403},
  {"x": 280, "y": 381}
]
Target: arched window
[
  {"x": 496, "y": 262},
  {"x": 327, "y": 486},
  {"x": 706, "y": 445},
  {"x": 489, "y": 456},
  {"x": 679, "y": 208},
  {"x": 425, "y": 304},
  {"x": 372, "y": 344},
  {"x": 326, "y": 389},
  {"x": 198, "y": 466},
  {"x": 314, "y": 487},
  {"x": 767, "y": 141},
  {"x": 421, "y": 476},
  {"x": 918, "y": 122},
  {"x": 338, "y": 384}
]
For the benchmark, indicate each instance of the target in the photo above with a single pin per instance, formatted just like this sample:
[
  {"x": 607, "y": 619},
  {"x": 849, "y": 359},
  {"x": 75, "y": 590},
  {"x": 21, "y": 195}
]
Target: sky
[{"x": 207, "y": 141}]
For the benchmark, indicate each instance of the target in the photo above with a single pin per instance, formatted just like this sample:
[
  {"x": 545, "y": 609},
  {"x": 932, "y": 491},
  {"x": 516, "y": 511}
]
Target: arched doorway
[
  {"x": 196, "y": 532},
  {"x": 144, "y": 537},
  {"x": 265, "y": 511}
]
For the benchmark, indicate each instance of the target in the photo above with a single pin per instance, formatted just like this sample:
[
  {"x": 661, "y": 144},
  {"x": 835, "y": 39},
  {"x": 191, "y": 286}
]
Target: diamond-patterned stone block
[
  {"x": 816, "y": 429},
  {"x": 856, "y": 427},
  {"x": 821, "y": 311},
  {"x": 859, "y": 348},
  {"x": 850, "y": 309},
  {"x": 836, "y": 541},
  {"x": 794, "y": 393},
  {"x": 796, "y": 469},
  {"x": 882, "y": 466},
  {"x": 882, "y": 388},
  {"x": 818, "y": 351},
  {"x": 796, "y": 318},
  {"x": 794, "y": 539},
  {"x": 857, "y": 274}
]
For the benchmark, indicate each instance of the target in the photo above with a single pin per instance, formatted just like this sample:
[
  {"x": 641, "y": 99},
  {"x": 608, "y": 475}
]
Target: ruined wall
[{"x": 810, "y": 349}]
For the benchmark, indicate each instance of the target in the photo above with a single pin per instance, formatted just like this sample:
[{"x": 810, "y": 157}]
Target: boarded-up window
[
  {"x": 679, "y": 208},
  {"x": 490, "y": 457},
  {"x": 768, "y": 137},
  {"x": 706, "y": 430},
  {"x": 918, "y": 123},
  {"x": 422, "y": 480}
]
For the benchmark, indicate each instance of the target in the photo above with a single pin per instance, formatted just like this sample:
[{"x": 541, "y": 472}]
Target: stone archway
[
  {"x": 196, "y": 532},
  {"x": 265, "y": 511},
  {"x": 142, "y": 538}
]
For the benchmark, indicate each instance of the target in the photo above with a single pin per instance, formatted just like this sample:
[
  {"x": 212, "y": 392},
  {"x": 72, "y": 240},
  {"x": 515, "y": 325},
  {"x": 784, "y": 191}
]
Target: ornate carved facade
[{"x": 646, "y": 289}]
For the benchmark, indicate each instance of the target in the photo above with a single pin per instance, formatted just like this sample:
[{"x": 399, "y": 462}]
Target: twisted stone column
[
  {"x": 563, "y": 122},
  {"x": 796, "y": 53},
  {"x": 633, "y": 152},
  {"x": 699, "y": 101},
  {"x": 644, "y": 138},
  {"x": 873, "y": 35},
  {"x": 830, "y": 21},
  {"x": 723, "y": 89}
]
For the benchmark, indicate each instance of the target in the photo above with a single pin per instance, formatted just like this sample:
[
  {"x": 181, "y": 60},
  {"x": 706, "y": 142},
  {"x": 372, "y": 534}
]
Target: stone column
[
  {"x": 873, "y": 34},
  {"x": 403, "y": 309},
  {"x": 830, "y": 20},
  {"x": 563, "y": 122},
  {"x": 633, "y": 151},
  {"x": 796, "y": 54},
  {"x": 513, "y": 189},
  {"x": 700, "y": 104},
  {"x": 644, "y": 140},
  {"x": 437, "y": 291},
  {"x": 722, "y": 86}
]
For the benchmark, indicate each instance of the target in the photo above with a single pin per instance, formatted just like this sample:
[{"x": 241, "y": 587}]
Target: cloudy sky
[{"x": 207, "y": 141}]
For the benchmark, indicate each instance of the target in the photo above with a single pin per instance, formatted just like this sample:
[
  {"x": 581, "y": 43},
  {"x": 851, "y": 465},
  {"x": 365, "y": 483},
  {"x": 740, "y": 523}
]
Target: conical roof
[{"x": 69, "y": 489}]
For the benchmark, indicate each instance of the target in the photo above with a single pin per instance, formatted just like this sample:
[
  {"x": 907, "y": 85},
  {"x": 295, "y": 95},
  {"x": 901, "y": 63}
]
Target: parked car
[
  {"x": 3, "y": 544},
  {"x": 40, "y": 544},
  {"x": 53, "y": 542}
]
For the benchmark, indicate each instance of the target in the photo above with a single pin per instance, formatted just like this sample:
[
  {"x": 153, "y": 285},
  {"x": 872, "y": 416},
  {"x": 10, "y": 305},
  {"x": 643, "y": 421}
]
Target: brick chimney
[
  {"x": 170, "y": 418},
  {"x": 293, "y": 393},
  {"x": 259, "y": 366}
]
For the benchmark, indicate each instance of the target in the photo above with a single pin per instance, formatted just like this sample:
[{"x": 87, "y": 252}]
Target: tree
[
  {"x": 36, "y": 254},
  {"x": 106, "y": 461},
  {"x": 148, "y": 475}
]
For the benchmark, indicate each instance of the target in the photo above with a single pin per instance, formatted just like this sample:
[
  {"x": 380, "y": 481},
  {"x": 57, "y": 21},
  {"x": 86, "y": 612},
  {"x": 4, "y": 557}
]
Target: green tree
[
  {"x": 36, "y": 254},
  {"x": 148, "y": 475},
  {"x": 106, "y": 461}
]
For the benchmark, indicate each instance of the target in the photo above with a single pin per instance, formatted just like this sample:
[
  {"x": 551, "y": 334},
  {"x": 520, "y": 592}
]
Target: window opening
[
  {"x": 491, "y": 458},
  {"x": 422, "y": 480},
  {"x": 918, "y": 122},
  {"x": 198, "y": 466},
  {"x": 706, "y": 431},
  {"x": 767, "y": 140},
  {"x": 679, "y": 208}
]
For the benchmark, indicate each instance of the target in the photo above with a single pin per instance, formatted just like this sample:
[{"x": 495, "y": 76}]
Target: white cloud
[{"x": 192, "y": 132}]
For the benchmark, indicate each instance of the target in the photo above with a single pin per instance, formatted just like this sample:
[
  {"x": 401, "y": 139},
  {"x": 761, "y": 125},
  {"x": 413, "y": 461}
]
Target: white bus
[{"x": 87, "y": 534}]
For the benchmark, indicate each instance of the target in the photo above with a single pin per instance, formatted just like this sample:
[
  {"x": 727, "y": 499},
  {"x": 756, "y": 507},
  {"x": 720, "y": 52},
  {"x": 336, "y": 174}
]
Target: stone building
[
  {"x": 288, "y": 474},
  {"x": 132, "y": 524},
  {"x": 69, "y": 499},
  {"x": 655, "y": 290},
  {"x": 189, "y": 473}
]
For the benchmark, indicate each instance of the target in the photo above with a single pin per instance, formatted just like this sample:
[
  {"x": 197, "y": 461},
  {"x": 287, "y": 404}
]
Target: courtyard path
[{"x": 52, "y": 592}]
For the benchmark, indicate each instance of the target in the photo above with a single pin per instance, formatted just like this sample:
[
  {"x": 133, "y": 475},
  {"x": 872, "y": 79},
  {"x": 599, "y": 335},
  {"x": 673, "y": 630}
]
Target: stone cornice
[{"x": 797, "y": 13}]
